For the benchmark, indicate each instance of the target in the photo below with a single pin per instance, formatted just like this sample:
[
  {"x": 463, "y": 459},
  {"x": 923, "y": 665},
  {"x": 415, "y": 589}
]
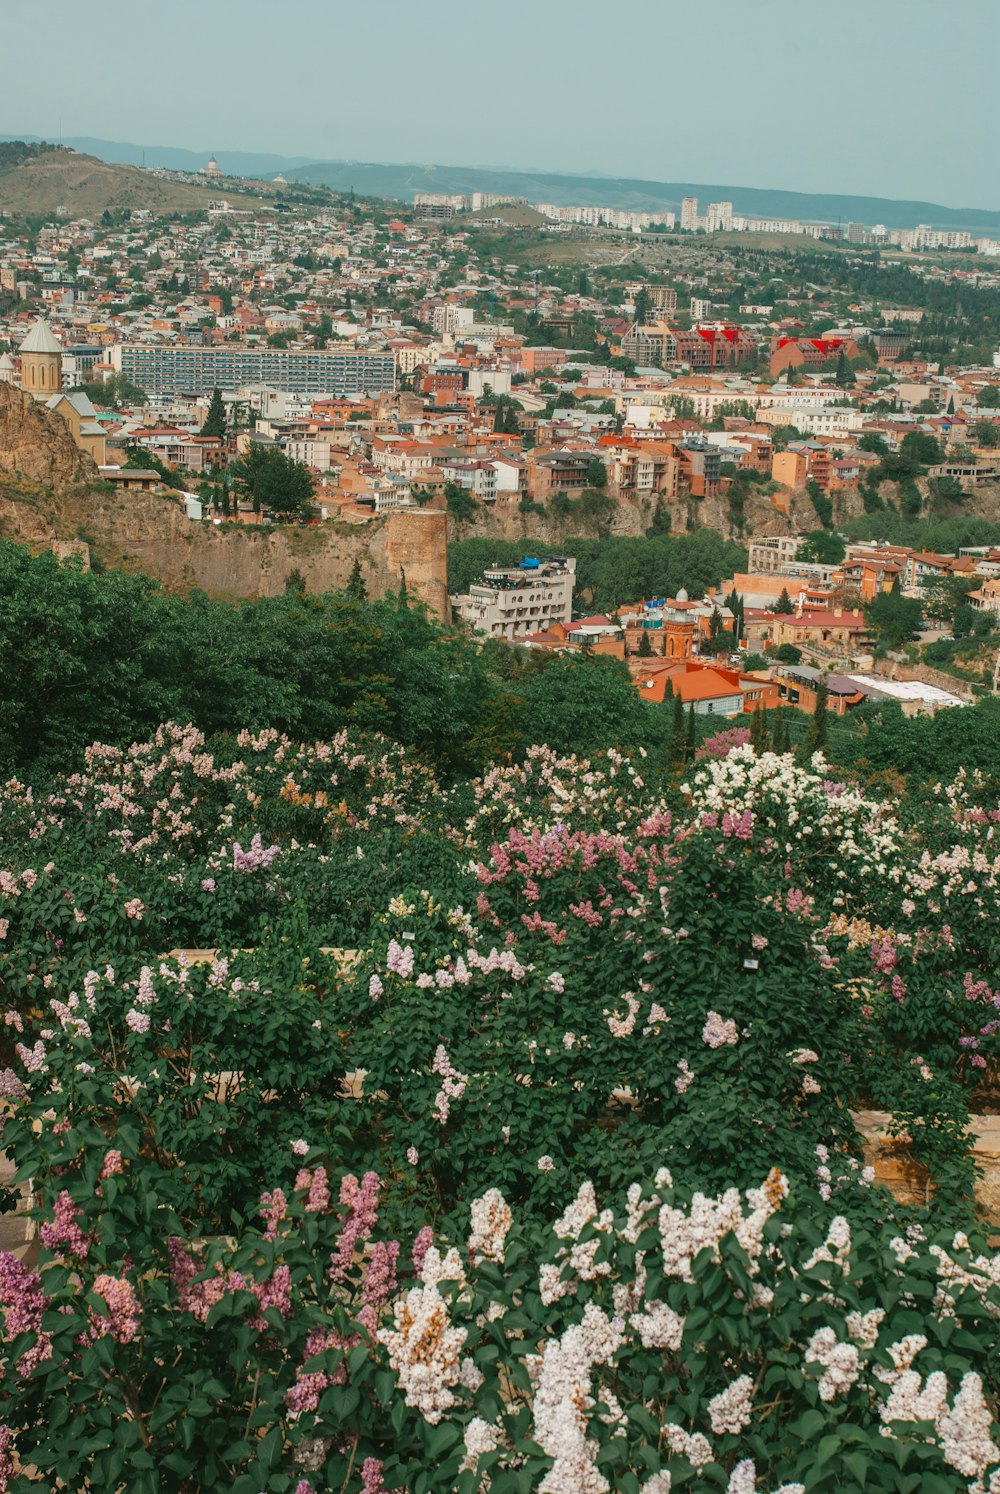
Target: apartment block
[
  {"x": 512, "y": 601},
  {"x": 769, "y": 554},
  {"x": 193, "y": 369},
  {"x": 661, "y": 298}
]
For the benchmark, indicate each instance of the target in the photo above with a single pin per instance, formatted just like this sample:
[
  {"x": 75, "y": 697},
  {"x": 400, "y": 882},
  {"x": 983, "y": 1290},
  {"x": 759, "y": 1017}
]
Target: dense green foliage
[
  {"x": 567, "y": 984},
  {"x": 91, "y": 657},
  {"x": 613, "y": 571},
  {"x": 272, "y": 481},
  {"x": 215, "y": 420}
]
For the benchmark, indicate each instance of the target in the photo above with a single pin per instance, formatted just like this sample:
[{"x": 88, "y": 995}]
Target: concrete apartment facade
[
  {"x": 193, "y": 369},
  {"x": 512, "y": 601}
]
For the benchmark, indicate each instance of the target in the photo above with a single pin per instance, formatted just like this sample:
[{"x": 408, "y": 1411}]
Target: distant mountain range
[
  {"x": 175, "y": 158},
  {"x": 374, "y": 179},
  {"x": 623, "y": 192}
]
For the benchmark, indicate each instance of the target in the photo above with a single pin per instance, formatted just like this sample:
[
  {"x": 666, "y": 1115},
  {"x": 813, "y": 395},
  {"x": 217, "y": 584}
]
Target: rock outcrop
[
  {"x": 150, "y": 532},
  {"x": 36, "y": 444}
]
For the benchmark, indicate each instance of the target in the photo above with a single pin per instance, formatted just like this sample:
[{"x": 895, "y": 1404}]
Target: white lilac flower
[
  {"x": 491, "y": 1222},
  {"x": 732, "y": 1409}
]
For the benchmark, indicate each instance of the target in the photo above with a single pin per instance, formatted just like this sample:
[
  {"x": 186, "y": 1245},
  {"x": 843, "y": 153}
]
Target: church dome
[{"x": 41, "y": 340}]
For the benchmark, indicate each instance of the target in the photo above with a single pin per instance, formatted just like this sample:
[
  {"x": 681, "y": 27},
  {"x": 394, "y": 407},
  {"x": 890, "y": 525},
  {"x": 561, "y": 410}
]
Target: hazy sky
[{"x": 894, "y": 98}]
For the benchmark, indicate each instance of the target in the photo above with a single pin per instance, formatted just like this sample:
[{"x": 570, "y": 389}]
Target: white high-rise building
[
  {"x": 719, "y": 217},
  {"x": 689, "y": 214}
]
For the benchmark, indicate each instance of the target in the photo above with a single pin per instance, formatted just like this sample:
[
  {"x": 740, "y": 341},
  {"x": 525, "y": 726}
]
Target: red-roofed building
[
  {"x": 796, "y": 352},
  {"x": 711, "y": 689}
]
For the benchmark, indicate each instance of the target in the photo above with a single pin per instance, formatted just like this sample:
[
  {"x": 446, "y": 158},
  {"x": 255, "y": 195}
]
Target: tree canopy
[
  {"x": 269, "y": 479},
  {"x": 215, "y": 421}
]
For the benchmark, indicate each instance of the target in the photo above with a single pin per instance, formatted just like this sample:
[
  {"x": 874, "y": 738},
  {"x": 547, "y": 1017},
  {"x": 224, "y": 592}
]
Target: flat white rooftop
[{"x": 908, "y": 690}]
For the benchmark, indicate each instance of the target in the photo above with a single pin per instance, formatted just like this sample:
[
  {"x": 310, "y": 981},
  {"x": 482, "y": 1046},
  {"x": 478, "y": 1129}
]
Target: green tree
[
  {"x": 895, "y": 619},
  {"x": 986, "y": 433},
  {"x": 269, "y": 479},
  {"x": 783, "y": 607},
  {"x": 115, "y": 393},
  {"x": 817, "y": 735},
  {"x": 597, "y": 473},
  {"x": 759, "y": 739},
  {"x": 215, "y": 420},
  {"x": 645, "y": 649},
  {"x": 780, "y": 741},
  {"x": 677, "y": 725},
  {"x": 787, "y": 653},
  {"x": 821, "y": 547},
  {"x": 920, "y": 448},
  {"x": 947, "y": 487},
  {"x": 579, "y": 704},
  {"x": 356, "y": 584},
  {"x": 821, "y": 503},
  {"x": 989, "y": 397},
  {"x": 460, "y": 501},
  {"x": 690, "y": 737}
]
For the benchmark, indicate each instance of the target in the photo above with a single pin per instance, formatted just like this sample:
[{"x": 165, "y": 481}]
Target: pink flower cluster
[
  {"x": 884, "y": 956},
  {"x": 361, "y": 1201},
  {"x": 318, "y": 1198},
  {"x": 122, "y": 1320},
  {"x": 452, "y": 1083},
  {"x": 719, "y": 1032},
  {"x": 198, "y": 1297},
  {"x": 309, "y": 1385},
  {"x": 399, "y": 959},
  {"x": 378, "y": 1281},
  {"x": 24, "y": 1302},
  {"x": 6, "y": 1461},
  {"x": 738, "y": 825},
  {"x": 371, "y": 1477},
  {"x": 722, "y": 744},
  {"x": 256, "y": 858},
  {"x": 63, "y": 1234},
  {"x": 273, "y": 1207}
]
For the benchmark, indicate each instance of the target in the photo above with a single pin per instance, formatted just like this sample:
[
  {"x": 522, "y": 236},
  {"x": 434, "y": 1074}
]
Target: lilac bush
[{"x": 549, "y": 1181}]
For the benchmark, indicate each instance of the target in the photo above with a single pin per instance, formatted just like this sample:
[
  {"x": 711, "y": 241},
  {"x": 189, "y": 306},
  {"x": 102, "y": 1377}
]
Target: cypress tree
[
  {"x": 781, "y": 733},
  {"x": 817, "y": 735},
  {"x": 356, "y": 585},
  {"x": 758, "y": 731},
  {"x": 215, "y": 421},
  {"x": 689, "y": 743}
]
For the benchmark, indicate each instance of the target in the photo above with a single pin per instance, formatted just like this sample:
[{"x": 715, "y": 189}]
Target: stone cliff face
[
  {"x": 36, "y": 444},
  {"x": 632, "y": 517},
  {"x": 152, "y": 534},
  {"x": 148, "y": 532}
]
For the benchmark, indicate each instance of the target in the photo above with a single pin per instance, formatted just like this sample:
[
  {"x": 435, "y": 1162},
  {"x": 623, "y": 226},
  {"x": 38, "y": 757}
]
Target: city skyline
[{"x": 806, "y": 109}]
